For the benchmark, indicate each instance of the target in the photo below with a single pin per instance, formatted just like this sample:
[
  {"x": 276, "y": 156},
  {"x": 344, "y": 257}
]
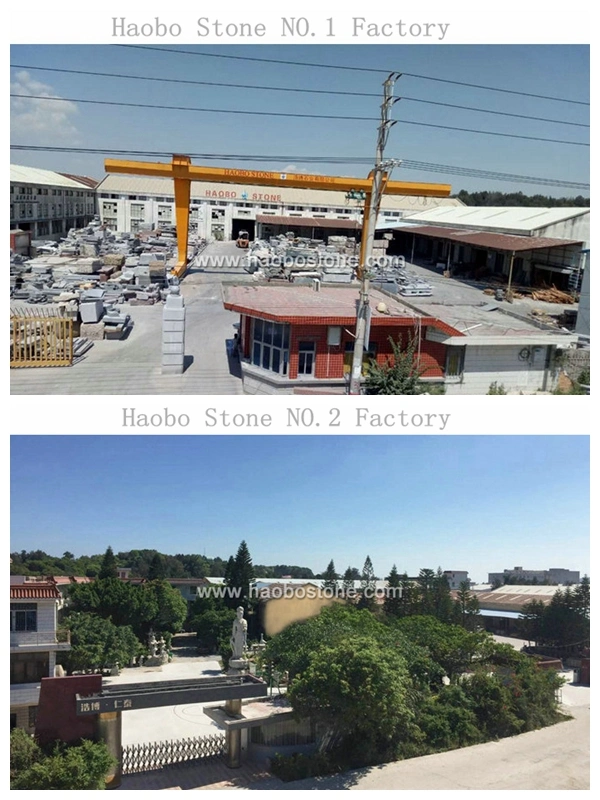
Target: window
[
  {"x": 455, "y": 362},
  {"x": 29, "y": 667},
  {"x": 32, "y": 716},
  {"x": 306, "y": 358},
  {"x": 368, "y": 356},
  {"x": 23, "y": 616},
  {"x": 271, "y": 346}
]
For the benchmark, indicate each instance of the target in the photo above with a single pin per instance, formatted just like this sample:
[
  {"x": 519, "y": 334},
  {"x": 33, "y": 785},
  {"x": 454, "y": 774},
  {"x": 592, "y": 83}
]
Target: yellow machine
[{"x": 183, "y": 173}]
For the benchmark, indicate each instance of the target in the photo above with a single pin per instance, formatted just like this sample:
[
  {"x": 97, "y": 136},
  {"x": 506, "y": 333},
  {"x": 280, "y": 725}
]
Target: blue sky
[
  {"x": 556, "y": 70},
  {"x": 480, "y": 503}
]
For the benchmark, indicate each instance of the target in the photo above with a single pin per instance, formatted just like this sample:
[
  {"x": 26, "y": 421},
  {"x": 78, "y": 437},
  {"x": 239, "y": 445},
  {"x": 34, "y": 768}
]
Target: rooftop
[
  {"x": 518, "y": 219},
  {"x": 333, "y": 306},
  {"x": 45, "y": 177},
  {"x": 497, "y": 241},
  {"x": 34, "y": 591}
]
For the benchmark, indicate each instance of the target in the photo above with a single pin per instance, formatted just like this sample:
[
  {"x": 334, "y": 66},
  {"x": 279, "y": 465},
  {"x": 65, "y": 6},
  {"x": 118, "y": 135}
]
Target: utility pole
[{"x": 379, "y": 178}]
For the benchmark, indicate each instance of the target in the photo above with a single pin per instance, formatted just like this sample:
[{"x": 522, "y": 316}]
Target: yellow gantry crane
[{"x": 183, "y": 173}]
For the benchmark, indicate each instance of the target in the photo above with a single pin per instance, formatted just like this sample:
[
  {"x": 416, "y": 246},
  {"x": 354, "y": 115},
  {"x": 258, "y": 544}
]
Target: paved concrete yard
[
  {"x": 132, "y": 366},
  {"x": 168, "y": 722}
]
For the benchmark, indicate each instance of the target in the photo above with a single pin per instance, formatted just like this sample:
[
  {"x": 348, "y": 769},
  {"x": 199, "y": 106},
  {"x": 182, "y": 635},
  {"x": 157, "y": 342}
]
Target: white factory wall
[
  {"x": 576, "y": 228},
  {"x": 486, "y": 364}
]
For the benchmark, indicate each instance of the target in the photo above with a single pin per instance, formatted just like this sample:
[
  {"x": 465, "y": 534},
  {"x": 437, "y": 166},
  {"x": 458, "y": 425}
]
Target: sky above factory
[
  {"x": 476, "y": 503},
  {"x": 549, "y": 70}
]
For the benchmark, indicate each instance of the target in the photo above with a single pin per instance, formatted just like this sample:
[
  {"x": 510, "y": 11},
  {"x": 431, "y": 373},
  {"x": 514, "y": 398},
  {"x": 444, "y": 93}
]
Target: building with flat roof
[
  {"x": 48, "y": 204},
  {"x": 293, "y": 337},
  {"x": 220, "y": 211},
  {"x": 554, "y": 575}
]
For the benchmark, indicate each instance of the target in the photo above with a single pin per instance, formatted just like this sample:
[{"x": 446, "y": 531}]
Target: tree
[
  {"x": 360, "y": 691},
  {"x": 330, "y": 577},
  {"x": 466, "y": 607},
  {"x": 82, "y": 766},
  {"x": 213, "y": 628},
  {"x": 399, "y": 375},
  {"x": 450, "y": 646},
  {"x": 241, "y": 577},
  {"x": 393, "y": 601},
  {"x": 348, "y": 581},
  {"x": 442, "y": 600},
  {"x": 24, "y": 752},
  {"x": 97, "y": 643},
  {"x": 171, "y": 607},
  {"x": 68, "y": 556},
  {"x": 367, "y": 585},
  {"x": 108, "y": 569},
  {"x": 158, "y": 567},
  {"x": 426, "y": 583}
]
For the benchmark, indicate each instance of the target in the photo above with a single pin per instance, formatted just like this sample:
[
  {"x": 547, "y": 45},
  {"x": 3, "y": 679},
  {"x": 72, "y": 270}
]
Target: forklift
[{"x": 243, "y": 239}]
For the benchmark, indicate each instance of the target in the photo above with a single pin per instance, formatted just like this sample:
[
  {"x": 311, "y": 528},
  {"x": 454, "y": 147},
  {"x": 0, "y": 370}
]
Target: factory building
[
  {"x": 534, "y": 246},
  {"x": 48, "y": 204},
  {"x": 219, "y": 211},
  {"x": 555, "y": 575}
]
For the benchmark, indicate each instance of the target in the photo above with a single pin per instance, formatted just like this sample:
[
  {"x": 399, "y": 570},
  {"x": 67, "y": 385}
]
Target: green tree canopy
[
  {"x": 97, "y": 643},
  {"x": 401, "y": 373},
  {"x": 82, "y": 766},
  {"x": 108, "y": 568},
  {"x": 330, "y": 576}
]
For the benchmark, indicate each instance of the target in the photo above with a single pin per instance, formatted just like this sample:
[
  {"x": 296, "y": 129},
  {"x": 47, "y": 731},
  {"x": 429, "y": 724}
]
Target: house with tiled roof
[{"x": 34, "y": 643}]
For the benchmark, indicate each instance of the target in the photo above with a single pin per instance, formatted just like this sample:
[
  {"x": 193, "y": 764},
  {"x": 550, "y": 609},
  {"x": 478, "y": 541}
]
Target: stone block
[
  {"x": 173, "y": 348},
  {"x": 173, "y": 327},
  {"x": 173, "y": 314},
  {"x": 174, "y": 301},
  {"x": 92, "y": 330},
  {"x": 172, "y": 360},
  {"x": 173, "y": 337}
]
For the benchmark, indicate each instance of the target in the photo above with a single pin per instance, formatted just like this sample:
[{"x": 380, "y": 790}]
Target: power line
[
  {"x": 407, "y": 164},
  {"x": 199, "y": 83},
  {"x": 354, "y": 69},
  {"x": 293, "y": 115},
  {"x": 294, "y": 89},
  {"x": 495, "y": 89}
]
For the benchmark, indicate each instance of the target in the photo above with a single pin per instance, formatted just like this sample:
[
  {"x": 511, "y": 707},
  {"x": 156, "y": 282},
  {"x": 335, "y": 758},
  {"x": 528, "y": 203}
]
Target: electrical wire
[
  {"x": 407, "y": 164},
  {"x": 294, "y": 89},
  {"x": 354, "y": 69},
  {"x": 294, "y": 115}
]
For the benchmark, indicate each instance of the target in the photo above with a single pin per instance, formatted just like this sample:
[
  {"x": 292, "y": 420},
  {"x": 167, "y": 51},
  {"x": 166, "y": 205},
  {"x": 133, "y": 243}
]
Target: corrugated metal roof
[
  {"x": 34, "y": 591},
  {"x": 309, "y": 222},
  {"x": 43, "y": 177},
  {"x": 91, "y": 183},
  {"x": 523, "y": 219},
  {"x": 496, "y": 241},
  {"x": 134, "y": 184}
]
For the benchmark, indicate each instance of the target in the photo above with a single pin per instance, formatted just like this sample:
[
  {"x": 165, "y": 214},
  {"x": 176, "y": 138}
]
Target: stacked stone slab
[{"x": 173, "y": 341}]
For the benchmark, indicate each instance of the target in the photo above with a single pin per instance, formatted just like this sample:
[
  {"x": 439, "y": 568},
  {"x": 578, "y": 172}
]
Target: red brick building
[{"x": 293, "y": 337}]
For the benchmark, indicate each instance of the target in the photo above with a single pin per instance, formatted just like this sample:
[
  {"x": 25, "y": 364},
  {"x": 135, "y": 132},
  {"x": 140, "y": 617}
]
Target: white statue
[{"x": 239, "y": 634}]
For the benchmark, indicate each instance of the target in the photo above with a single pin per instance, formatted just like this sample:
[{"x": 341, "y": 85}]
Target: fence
[
  {"x": 155, "y": 755},
  {"x": 40, "y": 338}
]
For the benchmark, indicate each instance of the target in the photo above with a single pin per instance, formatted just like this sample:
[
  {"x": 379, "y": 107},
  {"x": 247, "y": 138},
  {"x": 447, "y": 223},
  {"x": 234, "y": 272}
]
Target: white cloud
[
  {"x": 40, "y": 121},
  {"x": 295, "y": 168}
]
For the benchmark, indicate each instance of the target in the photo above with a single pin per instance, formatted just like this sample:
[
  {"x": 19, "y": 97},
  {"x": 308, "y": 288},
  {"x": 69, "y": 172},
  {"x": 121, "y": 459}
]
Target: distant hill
[{"x": 37, "y": 562}]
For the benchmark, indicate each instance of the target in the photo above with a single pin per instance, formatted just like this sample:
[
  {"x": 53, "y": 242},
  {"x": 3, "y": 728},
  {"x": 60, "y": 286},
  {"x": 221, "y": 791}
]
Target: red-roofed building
[
  {"x": 34, "y": 642},
  {"x": 293, "y": 338}
]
